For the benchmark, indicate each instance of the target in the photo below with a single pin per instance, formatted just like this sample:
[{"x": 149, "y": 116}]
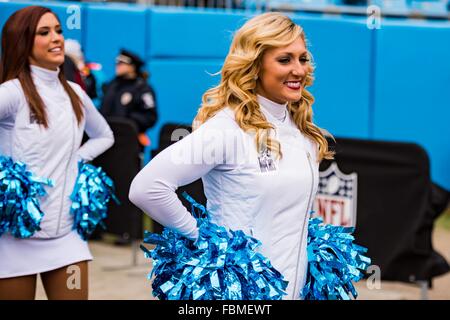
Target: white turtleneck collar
[
  {"x": 44, "y": 74},
  {"x": 276, "y": 110}
]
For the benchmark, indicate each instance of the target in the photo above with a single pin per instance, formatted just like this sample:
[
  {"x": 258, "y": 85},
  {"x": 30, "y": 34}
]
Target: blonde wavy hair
[{"x": 239, "y": 77}]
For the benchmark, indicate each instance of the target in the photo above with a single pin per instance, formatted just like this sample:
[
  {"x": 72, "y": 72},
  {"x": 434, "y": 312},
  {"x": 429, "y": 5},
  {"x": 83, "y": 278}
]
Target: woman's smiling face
[
  {"x": 48, "y": 47},
  {"x": 283, "y": 71}
]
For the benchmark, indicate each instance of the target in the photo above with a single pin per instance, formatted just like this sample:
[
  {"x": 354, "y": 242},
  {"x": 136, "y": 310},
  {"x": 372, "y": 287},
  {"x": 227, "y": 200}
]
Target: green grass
[{"x": 444, "y": 220}]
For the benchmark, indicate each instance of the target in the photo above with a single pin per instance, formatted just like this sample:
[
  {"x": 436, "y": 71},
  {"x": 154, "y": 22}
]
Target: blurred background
[{"x": 382, "y": 88}]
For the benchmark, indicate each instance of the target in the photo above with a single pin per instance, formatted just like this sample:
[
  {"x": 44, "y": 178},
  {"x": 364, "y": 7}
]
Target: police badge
[{"x": 336, "y": 197}]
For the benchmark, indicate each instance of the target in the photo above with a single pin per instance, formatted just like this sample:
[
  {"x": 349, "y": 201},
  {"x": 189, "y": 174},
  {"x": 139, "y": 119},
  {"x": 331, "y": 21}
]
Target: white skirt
[{"x": 21, "y": 257}]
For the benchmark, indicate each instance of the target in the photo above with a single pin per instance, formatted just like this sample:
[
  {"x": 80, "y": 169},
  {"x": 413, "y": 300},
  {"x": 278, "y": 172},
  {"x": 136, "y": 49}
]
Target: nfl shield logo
[{"x": 335, "y": 201}]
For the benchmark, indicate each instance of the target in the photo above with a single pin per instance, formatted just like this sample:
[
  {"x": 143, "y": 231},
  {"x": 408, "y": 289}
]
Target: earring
[{"x": 255, "y": 77}]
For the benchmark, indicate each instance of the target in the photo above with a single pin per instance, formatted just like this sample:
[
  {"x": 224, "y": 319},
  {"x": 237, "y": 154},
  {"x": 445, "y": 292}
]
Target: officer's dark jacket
[{"x": 132, "y": 99}]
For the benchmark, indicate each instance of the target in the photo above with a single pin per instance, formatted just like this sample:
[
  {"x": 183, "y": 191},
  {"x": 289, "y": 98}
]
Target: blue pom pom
[
  {"x": 90, "y": 197},
  {"x": 334, "y": 262},
  {"x": 222, "y": 265},
  {"x": 20, "y": 213}
]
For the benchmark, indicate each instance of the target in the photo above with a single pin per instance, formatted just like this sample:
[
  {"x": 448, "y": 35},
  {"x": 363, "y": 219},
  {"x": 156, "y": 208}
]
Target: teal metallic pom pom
[
  {"x": 334, "y": 262},
  {"x": 20, "y": 214},
  {"x": 90, "y": 197},
  {"x": 221, "y": 265}
]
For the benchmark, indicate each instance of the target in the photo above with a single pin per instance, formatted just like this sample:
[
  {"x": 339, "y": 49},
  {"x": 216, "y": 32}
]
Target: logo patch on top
[
  {"x": 34, "y": 119},
  {"x": 336, "y": 197},
  {"x": 266, "y": 162},
  {"x": 148, "y": 100}
]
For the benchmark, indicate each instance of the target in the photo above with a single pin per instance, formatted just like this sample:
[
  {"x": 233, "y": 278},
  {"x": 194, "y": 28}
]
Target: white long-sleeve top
[
  {"x": 53, "y": 152},
  {"x": 242, "y": 191}
]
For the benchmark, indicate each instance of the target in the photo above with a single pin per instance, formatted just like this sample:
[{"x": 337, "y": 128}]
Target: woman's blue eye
[{"x": 60, "y": 31}]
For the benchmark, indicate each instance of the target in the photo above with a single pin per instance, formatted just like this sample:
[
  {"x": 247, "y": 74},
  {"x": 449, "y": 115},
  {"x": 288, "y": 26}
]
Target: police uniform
[{"x": 131, "y": 98}]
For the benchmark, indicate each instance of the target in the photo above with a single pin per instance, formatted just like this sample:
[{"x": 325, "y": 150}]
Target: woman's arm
[
  {"x": 9, "y": 99},
  {"x": 153, "y": 189},
  {"x": 101, "y": 137}
]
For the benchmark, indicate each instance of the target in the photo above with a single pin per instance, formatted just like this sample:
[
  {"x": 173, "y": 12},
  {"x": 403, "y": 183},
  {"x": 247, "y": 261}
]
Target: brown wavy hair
[
  {"x": 237, "y": 87},
  {"x": 17, "y": 45}
]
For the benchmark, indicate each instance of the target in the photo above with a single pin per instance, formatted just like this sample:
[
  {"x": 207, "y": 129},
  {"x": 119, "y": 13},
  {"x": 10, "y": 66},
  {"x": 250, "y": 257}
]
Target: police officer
[{"x": 129, "y": 95}]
